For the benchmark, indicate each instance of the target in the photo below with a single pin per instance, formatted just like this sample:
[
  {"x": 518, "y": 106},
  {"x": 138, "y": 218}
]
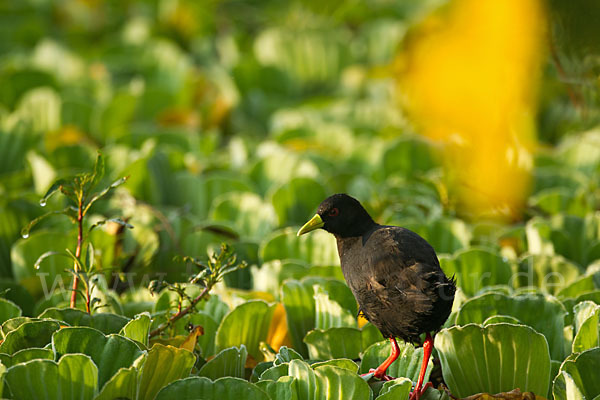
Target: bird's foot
[
  {"x": 418, "y": 392},
  {"x": 374, "y": 373}
]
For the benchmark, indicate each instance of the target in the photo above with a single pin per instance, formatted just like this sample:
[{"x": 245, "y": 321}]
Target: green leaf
[
  {"x": 39, "y": 108},
  {"x": 543, "y": 313},
  {"x": 123, "y": 384},
  {"x": 407, "y": 200},
  {"x": 25, "y": 232},
  {"x": 496, "y": 319},
  {"x": 337, "y": 291},
  {"x": 25, "y": 355},
  {"x": 343, "y": 363},
  {"x": 282, "y": 389},
  {"x": 103, "y": 192},
  {"x": 246, "y": 324},
  {"x": 247, "y": 213},
  {"x": 17, "y": 294},
  {"x": 396, "y": 389},
  {"x": 334, "y": 343},
  {"x": 275, "y": 372},
  {"x": 74, "y": 377},
  {"x": 137, "y": 329},
  {"x": 549, "y": 177},
  {"x": 582, "y": 285},
  {"x": 573, "y": 237},
  {"x": 341, "y": 342},
  {"x": 555, "y": 200},
  {"x": 297, "y": 298},
  {"x": 110, "y": 353},
  {"x": 317, "y": 248},
  {"x": 311, "y": 57},
  {"x": 370, "y": 334},
  {"x": 446, "y": 235},
  {"x": 407, "y": 365},
  {"x": 279, "y": 167},
  {"x": 148, "y": 370},
  {"x": 578, "y": 376},
  {"x": 578, "y": 151},
  {"x": 229, "y": 362},
  {"x": 339, "y": 383},
  {"x": 199, "y": 192},
  {"x": 98, "y": 173},
  {"x": 24, "y": 254},
  {"x": 259, "y": 369},
  {"x": 210, "y": 326},
  {"x": 104, "y": 322},
  {"x": 327, "y": 382},
  {"x": 295, "y": 201},
  {"x": 116, "y": 114},
  {"x": 408, "y": 156},
  {"x": 493, "y": 359},
  {"x": 118, "y": 221},
  {"x": 154, "y": 375},
  {"x": 286, "y": 354},
  {"x": 14, "y": 323},
  {"x": 306, "y": 384},
  {"x": 29, "y": 334},
  {"x": 565, "y": 388},
  {"x": 587, "y": 326},
  {"x": 476, "y": 268},
  {"x": 15, "y": 150},
  {"x": 549, "y": 273},
  {"x": 203, "y": 388},
  {"x": 271, "y": 275},
  {"x": 8, "y": 310},
  {"x": 56, "y": 186},
  {"x": 591, "y": 296},
  {"x": 329, "y": 313}
]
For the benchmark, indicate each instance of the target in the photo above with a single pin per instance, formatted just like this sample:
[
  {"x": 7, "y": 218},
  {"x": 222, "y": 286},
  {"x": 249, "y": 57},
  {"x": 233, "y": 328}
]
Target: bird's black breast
[{"x": 397, "y": 280}]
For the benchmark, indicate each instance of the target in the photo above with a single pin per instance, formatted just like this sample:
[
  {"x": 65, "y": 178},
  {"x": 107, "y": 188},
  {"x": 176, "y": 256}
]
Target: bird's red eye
[{"x": 334, "y": 212}]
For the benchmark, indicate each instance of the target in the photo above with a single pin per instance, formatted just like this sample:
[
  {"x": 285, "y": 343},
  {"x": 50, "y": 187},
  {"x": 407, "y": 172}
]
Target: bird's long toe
[{"x": 374, "y": 373}]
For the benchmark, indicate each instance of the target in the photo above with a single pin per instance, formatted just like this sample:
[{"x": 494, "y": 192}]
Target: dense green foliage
[{"x": 231, "y": 122}]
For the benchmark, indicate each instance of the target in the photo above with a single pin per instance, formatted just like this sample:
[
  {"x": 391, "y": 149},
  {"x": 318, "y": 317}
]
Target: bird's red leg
[
  {"x": 379, "y": 372},
  {"x": 427, "y": 347}
]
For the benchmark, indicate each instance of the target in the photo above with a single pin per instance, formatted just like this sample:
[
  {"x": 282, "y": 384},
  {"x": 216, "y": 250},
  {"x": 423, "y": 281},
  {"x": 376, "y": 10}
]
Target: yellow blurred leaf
[
  {"x": 468, "y": 78},
  {"x": 175, "y": 341},
  {"x": 180, "y": 341},
  {"x": 179, "y": 117},
  {"x": 278, "y": 331},
  {"x": 218, "y": 112},
  {"x": 190, "y": 342},
  {"x": 67, "y": 135},
  {"x": 181, "y": 17}
]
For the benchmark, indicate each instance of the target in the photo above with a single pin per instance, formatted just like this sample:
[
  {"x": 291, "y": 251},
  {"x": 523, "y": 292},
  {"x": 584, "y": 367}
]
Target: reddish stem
[
  {"x": 73, "y": 303},
  {"x": 180, "y": 313}
]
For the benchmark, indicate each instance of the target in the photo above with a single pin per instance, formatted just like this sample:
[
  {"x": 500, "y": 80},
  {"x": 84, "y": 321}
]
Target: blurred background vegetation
[{"x": 473, "y": 123}]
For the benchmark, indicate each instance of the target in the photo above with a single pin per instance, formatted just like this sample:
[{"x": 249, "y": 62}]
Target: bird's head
[{"x": 340, "y": 215}]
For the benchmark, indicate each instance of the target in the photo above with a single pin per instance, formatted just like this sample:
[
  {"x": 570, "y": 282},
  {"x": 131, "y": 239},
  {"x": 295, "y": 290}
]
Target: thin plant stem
[
  {"x": 180, "y": 313},
  {"x": 73, "y": 303}
]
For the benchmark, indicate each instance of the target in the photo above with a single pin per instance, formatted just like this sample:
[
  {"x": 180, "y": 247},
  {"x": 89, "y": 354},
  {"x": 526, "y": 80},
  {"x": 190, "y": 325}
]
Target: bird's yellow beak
[{"x": 315, "y": 223}]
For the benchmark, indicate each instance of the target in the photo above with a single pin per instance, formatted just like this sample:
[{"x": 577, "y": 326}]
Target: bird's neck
[
  {"x": 357, "y": 229},
  {"x": 346, "y": 243}
]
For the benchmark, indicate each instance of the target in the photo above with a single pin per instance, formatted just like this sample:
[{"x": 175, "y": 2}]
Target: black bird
[{"x": 393, "y": 273}]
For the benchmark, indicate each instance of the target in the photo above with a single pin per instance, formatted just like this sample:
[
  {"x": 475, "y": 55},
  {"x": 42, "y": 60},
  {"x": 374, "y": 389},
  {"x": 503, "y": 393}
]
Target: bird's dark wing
[{"x": 403, "y": 283}]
